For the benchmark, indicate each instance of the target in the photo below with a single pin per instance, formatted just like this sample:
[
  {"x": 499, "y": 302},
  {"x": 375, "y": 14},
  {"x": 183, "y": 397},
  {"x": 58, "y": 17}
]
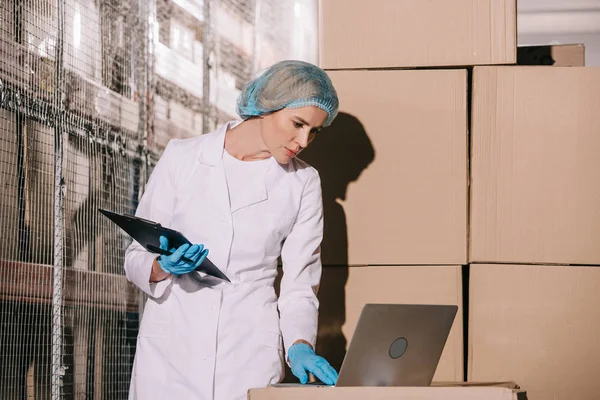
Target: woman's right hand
[{"x": 174, "y": 264}]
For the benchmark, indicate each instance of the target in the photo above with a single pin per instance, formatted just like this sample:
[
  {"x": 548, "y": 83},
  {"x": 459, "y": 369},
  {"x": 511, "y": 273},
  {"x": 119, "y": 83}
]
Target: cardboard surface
[
  {"x": 393, "y": 167},
  {"x": 344, "y": 292},
  {"x": 535, "y": 170},
  {"x": 9, "y": 201},
  {"x": 27, "y": 222},
  {"x": 537, "y": 326},
  {"x": 560, "y": 55},
  {"x": 411, "y": 33},
  {"x": 384, "y": 393}
]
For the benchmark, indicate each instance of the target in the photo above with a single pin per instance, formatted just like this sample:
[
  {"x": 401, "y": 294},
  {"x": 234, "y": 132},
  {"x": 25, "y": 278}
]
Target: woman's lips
[{"x": 291, "y": 153}]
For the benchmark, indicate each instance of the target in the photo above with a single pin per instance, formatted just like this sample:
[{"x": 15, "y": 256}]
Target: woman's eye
[{"x": 297, "y": 124}]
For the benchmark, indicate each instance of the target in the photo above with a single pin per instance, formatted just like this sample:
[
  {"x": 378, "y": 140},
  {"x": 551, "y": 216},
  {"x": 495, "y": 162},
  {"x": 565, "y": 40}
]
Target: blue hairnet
[{"x": 288, "y": 84}]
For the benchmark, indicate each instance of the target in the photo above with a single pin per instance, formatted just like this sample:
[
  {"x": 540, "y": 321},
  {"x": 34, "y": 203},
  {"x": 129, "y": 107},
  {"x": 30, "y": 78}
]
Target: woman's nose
[{"x": 302, "y": 138}]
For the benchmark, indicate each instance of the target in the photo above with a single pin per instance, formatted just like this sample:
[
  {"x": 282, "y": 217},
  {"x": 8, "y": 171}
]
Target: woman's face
[{"x": 289, "y": 131}]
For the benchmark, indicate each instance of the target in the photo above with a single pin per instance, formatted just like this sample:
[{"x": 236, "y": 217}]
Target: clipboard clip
[{"x": 155, "y": 224}]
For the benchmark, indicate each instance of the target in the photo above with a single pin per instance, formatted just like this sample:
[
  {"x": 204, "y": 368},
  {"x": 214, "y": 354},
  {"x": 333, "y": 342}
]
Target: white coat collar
[{"x": 211, "y": 152}]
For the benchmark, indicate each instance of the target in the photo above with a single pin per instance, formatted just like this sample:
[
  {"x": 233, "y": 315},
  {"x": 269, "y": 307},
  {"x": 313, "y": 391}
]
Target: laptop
[{"x": 396, "y": 345}]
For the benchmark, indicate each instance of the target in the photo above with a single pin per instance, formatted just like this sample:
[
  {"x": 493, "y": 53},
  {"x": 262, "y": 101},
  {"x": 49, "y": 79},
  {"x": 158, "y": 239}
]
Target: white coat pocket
[
  {"x": 270, "y": 354},
  {"x": 150, "y": 373},
  {"x": 270, "y": 339},
  {"x": 153, "y": 329}
]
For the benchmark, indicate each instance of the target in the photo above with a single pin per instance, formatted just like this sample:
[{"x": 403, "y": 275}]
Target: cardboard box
[
  {"x": 561, "y": 55},
  {"x": 38, "y": 192},
  {"x": 84, "y": 47},
  {"x": 535, "y": 175},
  {"x": 386, "y": 393},
  {"x": 538, "y": 326},
  {"x": 176, "y": 68},
  {"x": 235, "y": 29},
  {"x": 26, "y": 214},
  {"x": 344, "y": 292},
  {"x": 393, "y": 167},
  {"x": 130, "y": 115},
  {"x": 413, "y": 33},
  {"x": 9, "y": 182}
]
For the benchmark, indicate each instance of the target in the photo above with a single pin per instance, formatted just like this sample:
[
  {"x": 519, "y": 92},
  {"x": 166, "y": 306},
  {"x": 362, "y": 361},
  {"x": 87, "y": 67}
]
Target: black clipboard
[{"x": 148, "y": 233}]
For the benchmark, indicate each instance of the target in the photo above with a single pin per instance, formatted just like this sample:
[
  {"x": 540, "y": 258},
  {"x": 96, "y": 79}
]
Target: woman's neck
[{"x": 245, "y": 142}]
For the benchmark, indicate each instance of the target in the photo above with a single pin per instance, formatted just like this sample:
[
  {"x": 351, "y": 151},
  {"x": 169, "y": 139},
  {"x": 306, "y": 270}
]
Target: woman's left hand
[
  {"x": 303, "y": 359},
  {"x": 183, "y": 260}
]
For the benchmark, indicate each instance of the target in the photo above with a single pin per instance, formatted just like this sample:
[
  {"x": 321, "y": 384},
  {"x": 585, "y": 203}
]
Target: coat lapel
[
  {"x": 211, "y": 155},
  {"x": 256, "y": 194}
]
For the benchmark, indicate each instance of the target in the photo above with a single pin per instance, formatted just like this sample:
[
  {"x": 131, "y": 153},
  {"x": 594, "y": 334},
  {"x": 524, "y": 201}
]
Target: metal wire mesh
[{"x": 90, "y": 93}]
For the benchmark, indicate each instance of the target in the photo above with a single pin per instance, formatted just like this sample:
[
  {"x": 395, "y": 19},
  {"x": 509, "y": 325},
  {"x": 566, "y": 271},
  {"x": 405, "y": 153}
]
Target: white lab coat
[{"x": 206, "y": 342}]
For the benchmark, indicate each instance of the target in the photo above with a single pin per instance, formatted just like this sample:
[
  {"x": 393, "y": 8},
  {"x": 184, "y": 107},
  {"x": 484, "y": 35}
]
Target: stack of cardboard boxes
[
  {"x": 455, "y": 176},
  {"x": 535, "y": 229}
]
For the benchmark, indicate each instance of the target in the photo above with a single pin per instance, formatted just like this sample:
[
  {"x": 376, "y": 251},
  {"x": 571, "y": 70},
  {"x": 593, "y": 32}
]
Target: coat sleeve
[
  {"x": 301, "y": 258},
  {"x": 156, "y": 205}
]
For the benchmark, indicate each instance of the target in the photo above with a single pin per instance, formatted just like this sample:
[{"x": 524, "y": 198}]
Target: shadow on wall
[{"x": 340, "y": 153}]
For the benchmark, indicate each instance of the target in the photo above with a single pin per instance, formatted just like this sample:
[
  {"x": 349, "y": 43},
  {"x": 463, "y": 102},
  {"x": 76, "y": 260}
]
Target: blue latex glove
[
  {"x": 174, "y": 264},
  {"x": 303, "y": 359}
]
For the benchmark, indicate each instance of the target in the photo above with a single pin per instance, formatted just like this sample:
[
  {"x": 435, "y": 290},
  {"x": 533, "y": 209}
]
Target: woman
[{"x": 242, "y": 193}]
